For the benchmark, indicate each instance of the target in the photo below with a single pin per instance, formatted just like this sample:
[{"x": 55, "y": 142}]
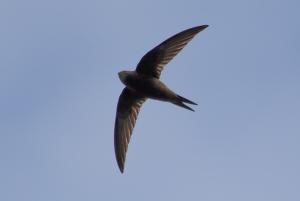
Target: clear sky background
[{"x": 59, "y": 88}]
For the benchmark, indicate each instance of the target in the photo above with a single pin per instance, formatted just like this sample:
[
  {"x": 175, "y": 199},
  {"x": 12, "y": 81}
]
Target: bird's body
[
  {"x": 146, "y": 86},
  {"x": 143, "y": 84}
]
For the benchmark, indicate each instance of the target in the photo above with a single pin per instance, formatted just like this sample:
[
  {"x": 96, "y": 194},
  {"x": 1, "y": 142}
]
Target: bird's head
[{"x": 123, "y": 76}]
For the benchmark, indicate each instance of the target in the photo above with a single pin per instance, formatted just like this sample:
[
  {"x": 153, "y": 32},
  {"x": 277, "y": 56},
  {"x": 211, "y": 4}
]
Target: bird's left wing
[
  {"x": 154, "y": 61},
  {"x": 127, "y": 111}
]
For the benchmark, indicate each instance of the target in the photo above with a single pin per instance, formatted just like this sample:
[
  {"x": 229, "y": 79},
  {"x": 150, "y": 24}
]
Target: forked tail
[{"x": 181, "y": 100}]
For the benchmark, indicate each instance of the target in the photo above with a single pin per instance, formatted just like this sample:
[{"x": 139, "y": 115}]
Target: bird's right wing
[
  {"x": 154, "y": 61},
  {"x": 127, "y": 111}
]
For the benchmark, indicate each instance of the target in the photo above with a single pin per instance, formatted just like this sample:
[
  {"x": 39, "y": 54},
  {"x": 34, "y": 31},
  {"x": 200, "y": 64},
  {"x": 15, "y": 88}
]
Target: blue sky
[{"x": 59, "y": 89}]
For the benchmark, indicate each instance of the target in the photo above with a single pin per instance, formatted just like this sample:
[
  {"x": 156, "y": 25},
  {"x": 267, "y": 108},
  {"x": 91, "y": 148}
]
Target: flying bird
[{"x": 144, "y": 83}]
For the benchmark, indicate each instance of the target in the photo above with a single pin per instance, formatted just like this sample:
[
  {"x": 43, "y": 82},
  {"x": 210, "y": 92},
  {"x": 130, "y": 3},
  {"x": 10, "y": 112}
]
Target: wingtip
[
  {"x": 120, "y": 162},
  {"x": 198, "y": 29},
  {"x": 202, "y": 27},
  {"x": 121, "y": 167}
]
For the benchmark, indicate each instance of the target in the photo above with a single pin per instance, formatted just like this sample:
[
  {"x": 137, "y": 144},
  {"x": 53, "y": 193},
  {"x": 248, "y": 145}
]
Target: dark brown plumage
[{"x": 144, "y": 83}]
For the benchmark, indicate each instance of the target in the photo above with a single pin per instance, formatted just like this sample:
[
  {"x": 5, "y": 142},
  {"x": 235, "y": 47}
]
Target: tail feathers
[
  {"x": 181, "y": 100},
  {"x": 181, "y": 104},
  {"x": 186, "y": 100}
]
